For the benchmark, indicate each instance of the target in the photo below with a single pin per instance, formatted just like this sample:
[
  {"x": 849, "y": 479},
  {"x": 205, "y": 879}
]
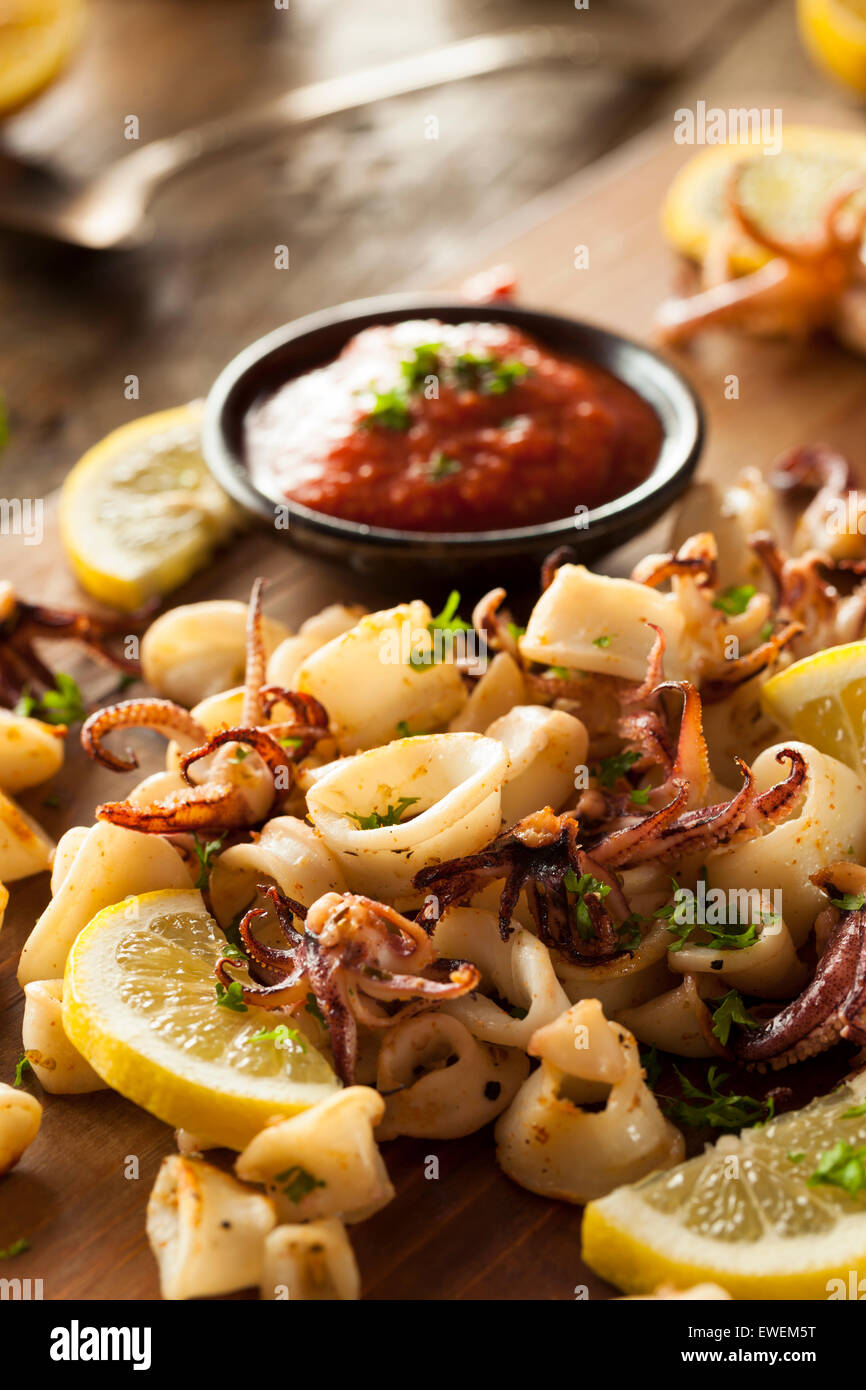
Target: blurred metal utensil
[{"x": 110, "y": 211}]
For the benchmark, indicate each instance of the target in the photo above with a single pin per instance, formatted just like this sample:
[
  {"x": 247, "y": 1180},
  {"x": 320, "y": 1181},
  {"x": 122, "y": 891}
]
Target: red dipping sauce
[{"x": 425, "y": 426}]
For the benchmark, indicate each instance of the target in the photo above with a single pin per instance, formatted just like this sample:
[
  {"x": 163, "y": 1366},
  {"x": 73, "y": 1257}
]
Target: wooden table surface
[{"x": 471, "y": 1234}]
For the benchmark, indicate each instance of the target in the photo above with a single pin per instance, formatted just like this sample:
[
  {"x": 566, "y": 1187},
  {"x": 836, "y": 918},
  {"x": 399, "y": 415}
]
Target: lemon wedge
[
  {"x": 140, "y": 1004},
  {"x": 822, "y": 700},
  {"x": 140, "y": 513},
  {"x": 762, "y": 1214},
  {"x": 785, "y": 192},
  {"x": 36, "y": 39},
  {"x": 834, "y": 34}
]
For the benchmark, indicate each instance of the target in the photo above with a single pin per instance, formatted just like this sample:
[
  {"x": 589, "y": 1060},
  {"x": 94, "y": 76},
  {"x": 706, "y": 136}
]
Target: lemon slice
[
  {"x": 834, "y": 34},
  {"x": 139, "y": 513},
  {"x": 822, "y": 700},
  {"x": 36, "y": 39},
  {"x": 743, "y": 1214},
  {"x": 785, "y": 192},
  {"x": 140, "y": 1003}
]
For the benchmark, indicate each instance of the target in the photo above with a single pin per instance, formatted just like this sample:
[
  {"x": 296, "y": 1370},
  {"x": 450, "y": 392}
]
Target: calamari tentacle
[
  {"x": 634, "y": 843},
  {"x": 273, "y": 755},
  {"x": 692, "y": 763},
  {"x": 777, "y": 803},
  {"x": 826, "y": 1010},
  {"x": 162, "y": 716},
  {"x": 254, "y": 673},
  {"x": 214, "y": 807},
  {"x": 734, "y": 673}
]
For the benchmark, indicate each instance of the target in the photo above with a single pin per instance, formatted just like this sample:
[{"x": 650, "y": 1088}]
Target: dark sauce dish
[{"x": 311, "y": 342}]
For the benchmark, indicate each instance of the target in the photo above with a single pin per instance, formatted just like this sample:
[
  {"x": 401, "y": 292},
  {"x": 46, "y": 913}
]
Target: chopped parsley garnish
[
  {"x": 581, "y": 886},
  {"x": 424, "y": 362},
  {"x": 842, "y": 1166},
  {"x": 62, "y": 705},
  {"x": 17, "y": 1247},
  {"x": 204, "y": 851},
  {"x": 489, "y": 375},
  {"x": 697, "y": 1109},
  {"x": 639, "y": 795},
  {"x": 855, "y": 1112},
  {"x": 231, "y": 998},
  {"x": 390, "y": 409},
  {"x": 449, "y": 623},
  {"x": 628, "y": 933},
  {"x": 240, "y": 753},
  {"x": 795, "y": 1158},
  {"x": 609, "y": 770},
  {"x": 735, "y": 600},
  {"x": 312, "y": 1006},
  {"x": 515, "y": 631},
  {"x": 766, "y": 631},
  {"x": 234, "y": 946},
  {"x": 728, "y": 1011},
  {"x": 297, "y": 1183},
  {"x": 721, "y": 938},
  {"x": 279, "y": 1036},
  {"x": 849, "y": 902},
  {"x": 403, "y": 730},
  {"x": 290, "y": 741},
  {"x": 649, "y": 1060},
  {"x": 52, "y": 800},
  {"x": 21, "y": 1066},
  {"x": 442, "y": 466},
  {"x": 392, "y": 816},
  {"x": 559, "y": 673},
  {"x": 603, "y": 641}
]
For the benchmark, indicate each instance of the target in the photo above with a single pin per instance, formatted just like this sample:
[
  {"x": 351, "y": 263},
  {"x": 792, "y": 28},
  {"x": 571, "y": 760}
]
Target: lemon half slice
[
  {"x": 140, "y": 513},
  {"x": 822, "y": 700},
  {"x": 140, "y": 1003},
  {"x": 36, "y": 39},
  {"x": 785, "y": 193},
  {"x": 743, "y": 1214},
  {"x": 834, "y": 33}
]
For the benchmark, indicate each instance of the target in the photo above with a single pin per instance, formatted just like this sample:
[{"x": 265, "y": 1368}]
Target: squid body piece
[
  {"x": 289, "y": 656},
  {"x": 590, "y": 622},
  {"x": 544, "y": 747},
  {"x": 830, "y": 824},
  {"x": 206, "y": 1230},
  {"x": 323, "y": 1162},
  {"x": 441, "y": 1083},
  {"x": 549, "y": 1144},
  {"x": 454, "y": 784},
  {"x": 382, "y": 673},
  {"x": 199, "y": 649},
  {"x": 20, "y": 1118},
  {"x": 313, "y": 1261},
  {"x": 678, "y": 1021},
  {"x": 25, "y": 849},
  {"x": 30, "y": 751},
  {"x": 60, "y": 1067},
  {"x": 519, "y": 970},
  {"x": 111, "y": 864},
  {"x": 289, "y": 853},
  {"x": 500, "y": 688}
]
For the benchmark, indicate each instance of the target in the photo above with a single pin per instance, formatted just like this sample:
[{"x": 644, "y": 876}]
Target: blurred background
[{"x": 364, "y": 201}]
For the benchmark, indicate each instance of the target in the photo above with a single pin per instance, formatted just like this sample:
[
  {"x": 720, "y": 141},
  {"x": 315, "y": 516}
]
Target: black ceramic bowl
[{"x": 311, "y": 342}]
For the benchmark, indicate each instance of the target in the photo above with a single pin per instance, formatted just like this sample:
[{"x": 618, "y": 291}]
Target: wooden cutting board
[{"x": 470, "y": 1233}]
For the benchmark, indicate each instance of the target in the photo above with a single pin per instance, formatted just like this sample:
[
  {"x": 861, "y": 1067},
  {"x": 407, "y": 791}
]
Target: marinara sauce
[{"x": 425, "y": 426}]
